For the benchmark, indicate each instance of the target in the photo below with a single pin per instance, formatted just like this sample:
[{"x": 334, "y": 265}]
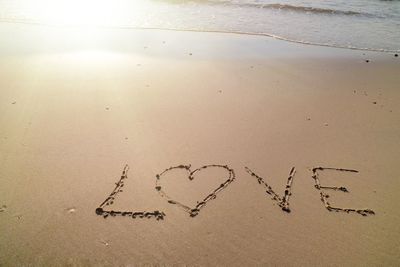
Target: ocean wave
[
  {"x": 306, "y": 9},
  {"x": 276, "y": 6}
]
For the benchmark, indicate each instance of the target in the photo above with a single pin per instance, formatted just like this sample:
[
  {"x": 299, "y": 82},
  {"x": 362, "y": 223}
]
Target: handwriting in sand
[{"x": 283, "y": 202}]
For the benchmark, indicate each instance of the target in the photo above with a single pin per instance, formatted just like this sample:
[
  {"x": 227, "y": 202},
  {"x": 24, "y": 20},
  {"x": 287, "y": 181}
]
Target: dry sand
[{"x": 75, "y": 108}]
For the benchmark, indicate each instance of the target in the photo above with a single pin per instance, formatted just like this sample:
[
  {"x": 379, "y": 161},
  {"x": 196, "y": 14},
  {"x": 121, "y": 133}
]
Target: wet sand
[{"x": 75, "y": 108}]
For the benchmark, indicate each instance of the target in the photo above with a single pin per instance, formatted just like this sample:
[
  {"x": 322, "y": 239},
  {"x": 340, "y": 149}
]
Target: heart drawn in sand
[{"x": 191, "y": 175}]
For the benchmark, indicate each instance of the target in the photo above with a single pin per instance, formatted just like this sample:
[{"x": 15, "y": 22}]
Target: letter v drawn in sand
[
  {"x": 159, "y": 215},
  {"x": 282, "y": 202},
  {"x": 191, "y": 175}
]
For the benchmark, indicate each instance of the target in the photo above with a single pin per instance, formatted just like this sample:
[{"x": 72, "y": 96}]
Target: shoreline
[{"x": 276, "y": 37}]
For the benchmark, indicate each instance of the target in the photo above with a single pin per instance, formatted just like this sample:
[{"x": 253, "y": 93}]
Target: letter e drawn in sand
[
  {"x": 282, "y": 202},
  {"x": 159, "y": 215},
  {"x": 324, "y": 197},
  {"x": 191, "y": 175}
]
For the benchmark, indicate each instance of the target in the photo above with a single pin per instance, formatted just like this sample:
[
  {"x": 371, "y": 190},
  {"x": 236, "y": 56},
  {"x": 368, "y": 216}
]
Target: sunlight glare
[{"x": 87, "y": 12}]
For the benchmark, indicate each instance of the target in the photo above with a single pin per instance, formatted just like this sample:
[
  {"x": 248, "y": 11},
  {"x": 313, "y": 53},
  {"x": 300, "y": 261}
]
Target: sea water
[{"x": 358, "y": 24}]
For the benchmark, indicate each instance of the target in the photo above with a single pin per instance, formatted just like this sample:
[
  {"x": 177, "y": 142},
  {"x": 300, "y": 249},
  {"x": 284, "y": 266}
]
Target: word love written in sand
[{"x": 283, "y": 202}]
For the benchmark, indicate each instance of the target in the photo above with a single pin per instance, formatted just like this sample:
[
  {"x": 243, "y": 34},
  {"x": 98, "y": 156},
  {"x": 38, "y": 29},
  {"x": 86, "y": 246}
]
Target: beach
[{"x": 76, "y": 107}]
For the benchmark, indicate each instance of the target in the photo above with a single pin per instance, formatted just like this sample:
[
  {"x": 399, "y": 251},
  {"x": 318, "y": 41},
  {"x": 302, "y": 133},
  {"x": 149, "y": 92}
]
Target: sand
[{"x": 75, "y": 108}]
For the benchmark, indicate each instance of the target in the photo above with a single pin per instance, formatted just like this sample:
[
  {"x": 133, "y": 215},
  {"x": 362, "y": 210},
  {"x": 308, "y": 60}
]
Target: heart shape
[{"x": 191, "y": 175}]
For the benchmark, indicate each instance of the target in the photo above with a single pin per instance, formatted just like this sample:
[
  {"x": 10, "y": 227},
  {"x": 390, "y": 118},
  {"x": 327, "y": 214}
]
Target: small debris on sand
[
  {"x": 367, "y": 60},
  {"x": 396, "y": 55},
  {"x": 105, "y": 243},
  {"x": 14, "y": 103},
  {"x": 71, "y": 210},
  {"x": 326, "y": 124},
  {"x": 107, "y": 108},
  {"x": 3, "y": 208},
  {"x": 374, "y": 102}
]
